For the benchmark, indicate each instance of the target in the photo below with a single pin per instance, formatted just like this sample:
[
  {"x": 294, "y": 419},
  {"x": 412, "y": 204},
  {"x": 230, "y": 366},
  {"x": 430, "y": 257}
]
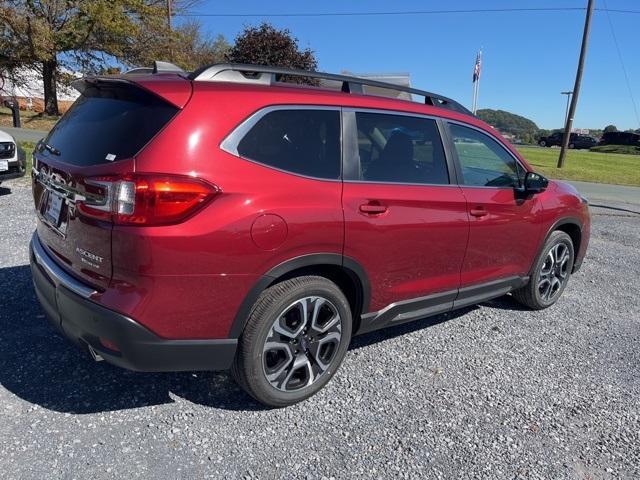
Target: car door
[
  {"x": 405, "y": 221},
  {"x": 505, "y": 226}
]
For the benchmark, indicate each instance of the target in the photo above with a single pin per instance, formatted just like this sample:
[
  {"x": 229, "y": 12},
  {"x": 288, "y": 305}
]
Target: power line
[
  {"x": 409, "y": 12},
  {"x": 624, "y": 69}
]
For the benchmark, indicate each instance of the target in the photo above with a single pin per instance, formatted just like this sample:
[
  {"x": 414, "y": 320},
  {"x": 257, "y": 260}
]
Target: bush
[{"x": 626, "y": 149}]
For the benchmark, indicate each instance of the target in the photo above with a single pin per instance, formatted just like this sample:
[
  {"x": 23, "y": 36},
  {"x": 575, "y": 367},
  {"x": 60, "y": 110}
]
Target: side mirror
[{"x": 534, "y": 183}]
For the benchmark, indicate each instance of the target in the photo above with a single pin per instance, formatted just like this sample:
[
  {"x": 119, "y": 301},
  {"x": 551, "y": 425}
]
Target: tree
[
  {"x": 610, "y": 128},
  {"x": 195, "y": 49},
  {"x": 266, "y": 45},
  {"x": 511, "y": 123},
  {"x": 93, "y": 36}
]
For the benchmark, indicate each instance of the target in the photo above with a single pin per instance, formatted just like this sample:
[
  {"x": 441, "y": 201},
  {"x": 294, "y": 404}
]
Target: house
[
  {"x": 26, "y": 85},
  {"x": 403, "y": 79}
]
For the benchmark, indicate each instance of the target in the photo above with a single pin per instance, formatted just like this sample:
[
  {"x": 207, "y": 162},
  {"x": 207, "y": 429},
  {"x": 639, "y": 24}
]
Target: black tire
[
  {"x": 571, "y": 146},
  {"x": 542, "y": 143},
  {"x": 250, "y": 365},
  {"x": 531, "y": 294}
]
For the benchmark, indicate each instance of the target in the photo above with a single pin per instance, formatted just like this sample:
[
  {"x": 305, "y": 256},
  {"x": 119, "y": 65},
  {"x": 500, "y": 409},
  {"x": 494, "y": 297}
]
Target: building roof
[
  {"x": 27, "y": 83},
  {"x": 403, "y": 79}
]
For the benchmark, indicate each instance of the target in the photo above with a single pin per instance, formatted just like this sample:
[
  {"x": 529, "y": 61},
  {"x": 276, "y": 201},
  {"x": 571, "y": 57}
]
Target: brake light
[{"x": 145, "y": 199}]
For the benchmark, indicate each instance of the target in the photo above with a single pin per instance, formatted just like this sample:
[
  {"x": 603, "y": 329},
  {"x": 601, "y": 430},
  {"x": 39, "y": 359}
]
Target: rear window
[{"x": 109, "y": 123}]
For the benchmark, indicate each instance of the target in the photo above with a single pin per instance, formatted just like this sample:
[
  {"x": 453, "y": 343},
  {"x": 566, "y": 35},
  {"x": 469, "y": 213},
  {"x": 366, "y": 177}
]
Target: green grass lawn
[
  {"x": 585, "y": 166},
  {"x": 28, "y": 148},
  {"x": 32, "y": 120}
]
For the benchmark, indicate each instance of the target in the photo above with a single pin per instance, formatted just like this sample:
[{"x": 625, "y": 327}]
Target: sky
[{"x": 528, "y": 57}]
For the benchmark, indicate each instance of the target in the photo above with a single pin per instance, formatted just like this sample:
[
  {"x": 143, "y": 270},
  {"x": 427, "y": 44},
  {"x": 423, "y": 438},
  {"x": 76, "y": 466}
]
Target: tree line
[
  {"x": 107, "y": 36},
  {"x": 525, "y": 129}
]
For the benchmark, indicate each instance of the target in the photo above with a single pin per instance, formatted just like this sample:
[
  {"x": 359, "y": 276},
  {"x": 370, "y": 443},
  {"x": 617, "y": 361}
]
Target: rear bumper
[{"x": 68, "y": 306}]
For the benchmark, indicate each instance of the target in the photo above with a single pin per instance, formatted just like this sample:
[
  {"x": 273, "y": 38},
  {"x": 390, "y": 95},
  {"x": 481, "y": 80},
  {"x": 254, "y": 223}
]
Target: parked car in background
[
  {"x": 620, "y": 138},
  {"x": 224, "y": 220},
  {"x": 13, "y": 162},
  {"x": 576, "y": 140}
]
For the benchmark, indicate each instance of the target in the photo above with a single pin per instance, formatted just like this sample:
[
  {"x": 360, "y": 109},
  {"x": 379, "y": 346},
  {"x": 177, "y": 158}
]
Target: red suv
[{"x": 224, "y": 219}]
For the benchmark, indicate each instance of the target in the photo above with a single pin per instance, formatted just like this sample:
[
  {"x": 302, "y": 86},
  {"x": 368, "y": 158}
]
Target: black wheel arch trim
[
  {"x": 351, "y": 267},
  {"x": 558, "y": 223}
]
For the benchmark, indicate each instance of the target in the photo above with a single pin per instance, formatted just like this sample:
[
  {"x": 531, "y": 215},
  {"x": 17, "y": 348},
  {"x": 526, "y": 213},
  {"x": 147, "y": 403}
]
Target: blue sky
[{"x": 529, "y": 57}]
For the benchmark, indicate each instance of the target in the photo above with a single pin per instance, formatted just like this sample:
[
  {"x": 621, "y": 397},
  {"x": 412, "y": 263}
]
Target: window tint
[
  {"x": 298, "y": 141},
  {"x": 398, "y": 148},
  {"x": 109, "y": 123},
  {"x": 484, "y": 161}
]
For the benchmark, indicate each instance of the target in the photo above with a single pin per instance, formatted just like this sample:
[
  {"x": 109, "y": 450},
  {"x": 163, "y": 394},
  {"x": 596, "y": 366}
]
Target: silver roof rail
[{"x": 263, "y": 75}]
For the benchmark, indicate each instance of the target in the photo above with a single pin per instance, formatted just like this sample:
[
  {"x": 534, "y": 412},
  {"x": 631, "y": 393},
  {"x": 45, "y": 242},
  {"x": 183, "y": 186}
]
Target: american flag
[{"x": 477, "y": 67}]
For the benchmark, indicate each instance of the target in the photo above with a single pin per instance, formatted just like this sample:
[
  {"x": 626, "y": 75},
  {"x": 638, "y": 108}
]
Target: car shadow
[
  {"x": 43, "y": 368},
  {"x": 4, "y": 191},
  {"x": 388, "y": 333},
  {"x": 40, "y": 367}
]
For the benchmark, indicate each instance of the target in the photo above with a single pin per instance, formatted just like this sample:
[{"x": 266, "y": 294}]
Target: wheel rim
[
  {"x": 554, "y": 272},
  {"x": 301, "y": 344}
]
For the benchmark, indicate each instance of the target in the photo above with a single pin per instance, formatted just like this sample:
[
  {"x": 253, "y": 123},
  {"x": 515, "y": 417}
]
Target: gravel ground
[{"x": 488, "y": 392}]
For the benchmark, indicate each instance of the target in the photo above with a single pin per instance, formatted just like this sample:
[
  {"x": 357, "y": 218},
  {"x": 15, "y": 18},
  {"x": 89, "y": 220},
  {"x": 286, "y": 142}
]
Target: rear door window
[
  {"x": 400, "y": 149},
  {"x": 302, "y": 141},
  {"x": 109, "y": 122}
]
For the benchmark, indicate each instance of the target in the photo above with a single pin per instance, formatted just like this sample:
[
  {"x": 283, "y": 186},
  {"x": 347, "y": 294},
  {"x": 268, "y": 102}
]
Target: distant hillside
[{"x": 509, "y": 122}]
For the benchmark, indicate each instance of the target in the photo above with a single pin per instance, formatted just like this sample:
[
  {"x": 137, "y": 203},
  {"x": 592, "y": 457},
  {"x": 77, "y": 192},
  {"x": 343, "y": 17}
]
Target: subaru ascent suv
[{"x": 224, "y": 219}]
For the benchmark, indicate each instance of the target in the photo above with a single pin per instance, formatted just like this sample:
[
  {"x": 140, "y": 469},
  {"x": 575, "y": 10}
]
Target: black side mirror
[{"x": 534, "y": 183}]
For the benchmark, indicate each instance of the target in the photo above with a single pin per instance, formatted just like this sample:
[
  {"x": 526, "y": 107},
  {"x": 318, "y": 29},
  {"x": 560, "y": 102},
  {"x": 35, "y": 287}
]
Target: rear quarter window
[{"x": 305, "y": 142}]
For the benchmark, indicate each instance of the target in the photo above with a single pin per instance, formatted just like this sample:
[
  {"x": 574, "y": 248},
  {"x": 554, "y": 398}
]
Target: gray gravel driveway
[{"x": 487, "y": 392}]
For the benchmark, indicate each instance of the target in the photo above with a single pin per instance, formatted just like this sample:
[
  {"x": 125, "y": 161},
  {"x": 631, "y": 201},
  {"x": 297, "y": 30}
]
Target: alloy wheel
[
  {"x": 301, "y": 343},
  {"x": 554, "y": 272}
]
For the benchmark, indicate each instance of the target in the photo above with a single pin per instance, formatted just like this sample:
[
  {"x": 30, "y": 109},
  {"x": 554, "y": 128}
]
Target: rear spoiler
[{"x": 174, "y": 89}]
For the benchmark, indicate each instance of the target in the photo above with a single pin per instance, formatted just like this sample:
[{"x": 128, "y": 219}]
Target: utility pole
[
  {"x": 169, "y": 15},
  {"x": 576, "y": 88},
  {"x": 566, "y": 112}
]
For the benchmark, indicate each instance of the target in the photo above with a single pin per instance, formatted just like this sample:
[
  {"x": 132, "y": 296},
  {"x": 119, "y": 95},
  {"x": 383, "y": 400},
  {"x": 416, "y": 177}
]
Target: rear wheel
[
  {"x": 572, "y": 146},
  {"x": 296, "y": 337},
  {"x": 550, "y": 273},
  {"x": 542, "y": 143}
]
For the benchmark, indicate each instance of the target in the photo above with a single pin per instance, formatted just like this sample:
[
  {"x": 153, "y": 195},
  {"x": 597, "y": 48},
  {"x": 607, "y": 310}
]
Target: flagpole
[
  {"x": 477, "y": 95},
  {"x": 473, "y": 102},
  {"x": 475, "y": 109}
]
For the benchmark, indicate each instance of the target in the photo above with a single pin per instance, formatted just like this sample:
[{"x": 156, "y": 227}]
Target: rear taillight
[{"x": 145, "y": 199}]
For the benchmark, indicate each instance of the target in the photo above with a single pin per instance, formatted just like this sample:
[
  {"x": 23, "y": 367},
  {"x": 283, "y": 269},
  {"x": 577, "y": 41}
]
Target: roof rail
[{"x": 241, "y": 73}]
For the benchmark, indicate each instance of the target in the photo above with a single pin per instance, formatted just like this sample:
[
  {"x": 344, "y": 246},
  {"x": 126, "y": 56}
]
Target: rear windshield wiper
[{"x": 51, "y": 149}]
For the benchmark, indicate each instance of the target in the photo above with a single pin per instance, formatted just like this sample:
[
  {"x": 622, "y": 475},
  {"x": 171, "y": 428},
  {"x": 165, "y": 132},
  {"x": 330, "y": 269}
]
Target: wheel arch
[
  {"x": 345, "y": 272},
  {"x": 572, "y": 226}
]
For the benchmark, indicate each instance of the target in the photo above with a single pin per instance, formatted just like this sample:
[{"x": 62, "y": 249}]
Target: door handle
[
  {"x": 373, "y": 208},
  {"x": 478, "y": 212}
]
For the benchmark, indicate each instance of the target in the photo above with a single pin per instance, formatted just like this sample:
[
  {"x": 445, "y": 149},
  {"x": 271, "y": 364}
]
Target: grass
[
  {"x": 582, "y": 165},
  {"x": 28, "y": 148},
  {"x": 32, "y": 120}
]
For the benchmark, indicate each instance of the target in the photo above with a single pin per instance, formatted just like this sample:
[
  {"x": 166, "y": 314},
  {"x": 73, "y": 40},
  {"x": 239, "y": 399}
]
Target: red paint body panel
[
  {"x": 413, "y": 249},
  {"x": 187, "y": 281},
  {"x": 504, "y": 242}
]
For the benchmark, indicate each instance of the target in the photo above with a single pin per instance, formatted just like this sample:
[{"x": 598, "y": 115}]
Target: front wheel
[
  {"x": 542, "y": 143},
  {"x": 550, "y": 274},
  {"x": 296, "y": 337}
]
